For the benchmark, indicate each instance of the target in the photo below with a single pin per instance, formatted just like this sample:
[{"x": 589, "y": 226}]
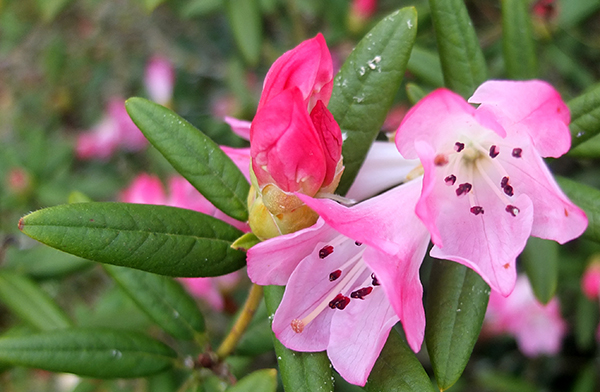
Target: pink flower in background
[
  {"x": 159, "y": 79},
  {"x": 539, "y": 329},
  {"x": 486, "y": 188},
  {"x": 363, "y": 9},
  {"x": 349, "y": 279},
  {"x": 590, "y": 281}
]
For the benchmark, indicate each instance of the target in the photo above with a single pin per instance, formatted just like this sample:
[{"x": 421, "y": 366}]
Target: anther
[
  {"x": 463, "y": 189},
  {"x": 374, "y": 280},
  {"x": 340, "y": 302},
  {"x": 440, "y": 160},
  {"x": 494, "y": 151},
  {"x": 458, "y": 146},
  {"x": 476, "y": 210},
  {"x": 516, "y": 152},
  {"x": 357, "y": 243},
  {"x": 361, "y": 293},
  {"x": 334, "y": 275},
  {"x": 508, "y": 190},
  {"x": 325, "y": 251},
  {"x": 513, "y": 210},
  {"x": 504, "y": 182},
  {"x": 297, "y": 325},
  {"x": 450, "y": 180}
]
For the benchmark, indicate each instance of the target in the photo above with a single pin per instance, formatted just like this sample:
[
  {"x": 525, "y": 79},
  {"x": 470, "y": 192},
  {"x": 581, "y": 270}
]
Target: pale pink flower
[
  {"x": 486, "y": 188},
  {"x": 349, "y": 279},
  {"x": 159, "y": 79},
  {"x": 590, "y": 281},
  {"x": 538, "y": 329}
]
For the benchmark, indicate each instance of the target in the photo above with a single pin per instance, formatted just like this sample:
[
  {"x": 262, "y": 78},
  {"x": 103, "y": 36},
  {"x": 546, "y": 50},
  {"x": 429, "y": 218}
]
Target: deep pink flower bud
[{"x": 590, "y": 281}]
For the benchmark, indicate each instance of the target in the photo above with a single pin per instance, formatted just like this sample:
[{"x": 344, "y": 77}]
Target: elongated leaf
[
  {"x": 193, "y": 155},
  {"x": 462, "y": 60},
  {"x": 164, "y": 300},
  {"x": 586, "y": 322},
  {"x": 99, "y": 353},
  {"x": 398, "y": 370},
  {"x": 585, "y": 117},
  {"x": 366, "y": 85},
  {"x": 517, "y": 40},
  {"x": 160, "y": 239},
  {"x": 588, "y": 199},
  {"x": 540, "y": 259},
  {"x": 456, "y": 303},
  {"x": 246, "y": 25},
  {"x": 414, "y": 93},
  {"x": 26, "y": 299},
  {"x": 300, "y": 372},
  {"x": 264, "y": 380},
  {"x": 426, "y": 66},
  {"x": 42, "y": 262}
]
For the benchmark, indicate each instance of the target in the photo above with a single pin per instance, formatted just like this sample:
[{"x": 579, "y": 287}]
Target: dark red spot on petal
[
  {"x": 374, "y": 280},
  {"x": 440, "y": 160},
  {"x": 458, "y": 146},
  {"x": 340, "y": 302},
  {"x": 516, "y": 152},
  {"x": 450, "y": 180},
  {"x": 494, "y": 151},
  {"x": 361, "y": 293},
  {"x": 463, "y": 189},
  {"x": 508, "y": 190},
  {"x": 334, "y": 275},
  {"x": 513, "y": 210},
  {"x": 325, "y": 251},
  {"x": 506, "y": 266},
  {"x": 566, "y": 212},
  {"x": 476, "y": 210}
]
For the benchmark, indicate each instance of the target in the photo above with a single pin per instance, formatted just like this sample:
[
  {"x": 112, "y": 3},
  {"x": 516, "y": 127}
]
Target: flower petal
[
  {"x": 239, "y": 127},
  {"x": 145, "y": 189},
  {"x": 331, "y": 139},
  {"x": 528, "y": 107}
]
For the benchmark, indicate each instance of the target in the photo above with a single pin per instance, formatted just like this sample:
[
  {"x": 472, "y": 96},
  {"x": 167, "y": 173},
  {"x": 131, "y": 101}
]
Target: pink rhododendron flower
[
  {"x": 349, "y": 278},
  {"x": 295, "y": 143},
  {"x": 115, "y": 130},
  {"x": 159, "y": 79},
  {"x": 486, "y": 188},
  {"x": 590, "y": 281},
  {"x": 538, "y": 329}
]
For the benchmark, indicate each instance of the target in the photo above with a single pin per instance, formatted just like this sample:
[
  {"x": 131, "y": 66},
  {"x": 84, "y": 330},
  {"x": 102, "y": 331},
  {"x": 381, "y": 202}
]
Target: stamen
[
  {"x": 361, "y": 293},
  {"x": 334, "y": 275},
  {"x": 374, "y": 280},
  {"x": 297, "y": 325},
  {"x": 494, "y": 151},
  {"x": 476, "y": 210},
  {"x": 458, "y": 146},
  {"x": 504, "y": 182},
  {"x": 325, "y": 251},
  {"x": 508, "y": 190},
  {"x": 450, "y": 180},
  {"x": 440, "y": 160},
  {"x": 357, "y": 243},
  {"x": 463, "y": 189},
  {"x": 513, "y": 210},
  {"x": 340, "y": 302},
  {"x": 516, "y": 152}
]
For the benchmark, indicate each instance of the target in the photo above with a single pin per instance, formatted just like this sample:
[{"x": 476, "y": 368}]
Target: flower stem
[{"x": 234, "y": 336}]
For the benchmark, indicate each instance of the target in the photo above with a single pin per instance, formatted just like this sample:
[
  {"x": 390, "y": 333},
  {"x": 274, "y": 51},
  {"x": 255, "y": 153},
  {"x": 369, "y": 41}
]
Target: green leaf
[
  {"x": 160, "y": 239},
  {"x": 397, "y": 369},
  {"x": 364, "y": 89},
  {"x": 264, "y": 380},
  {"x": 163, "y": 299},
  {"x": 426, "y": 66},
  {"x": 415, "y": 93},
  {"x": 588, "y": 199},
  {"x": 456, "y": 304},
  {"x": 99, "y": 353},
  {"x": 462, "y": 60},
  {"x": 245, "y": 242},
  {"x": 150, "y": 5},
  {"x": 49, "y": 9},
  {"x": 540, "y": 259},
  {"x": 586, "y": 322},
  {"x": 193, "y": 155},
  {"x": 517, "y": 40},
  {"x": 258, "y": 337},
  {"x": 585, "y": 118},
  {"x": 28, "y": 301},
  {"x": 246, "y": 24},
  {"x": 42, "y": 262},
  {"x": 300, "y": 372}
]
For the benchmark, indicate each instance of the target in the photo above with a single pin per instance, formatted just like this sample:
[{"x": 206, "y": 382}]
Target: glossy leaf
[
  {"x": 27, "y": 300},
  {"x": 540, "y": 259},
  {"x": 194, "y": 155},
  {"x": 160, "y": 239},
  {"x": 99, "y": 353},
  {"x": 163, "y": 299},
  {"x": 246, "y": 24},
  {"x": 517, "y": 40},
  {"x": 456, "y": 304},
  {"x": 397, "y": 369},
  {"x": 264, "y": 380},
  {"x": 366, "y": 85},
  {"x": 462, "y": 60},
  {"x": 585, "y": 118},
  {"x": 426, "y": 66},
  {"x": 588, "y": 199},
  {"x": 300, "y": 372}
]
